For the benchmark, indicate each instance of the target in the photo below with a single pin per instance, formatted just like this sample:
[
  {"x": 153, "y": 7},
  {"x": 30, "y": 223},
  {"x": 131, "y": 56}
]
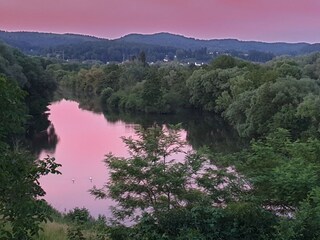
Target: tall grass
[
  {"x": 53, "y": 231},
  {"x": 59, "y": 231}
]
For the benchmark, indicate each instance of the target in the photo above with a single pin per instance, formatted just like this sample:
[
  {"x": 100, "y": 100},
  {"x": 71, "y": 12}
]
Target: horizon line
[{"x": 150, "y": 34}]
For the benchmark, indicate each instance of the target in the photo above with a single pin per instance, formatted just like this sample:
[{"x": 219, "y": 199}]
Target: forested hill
[
  {"x": 35, "y": 41},
  {"x": 178, "y": 41},
  {"x": 157, "y": 47}
]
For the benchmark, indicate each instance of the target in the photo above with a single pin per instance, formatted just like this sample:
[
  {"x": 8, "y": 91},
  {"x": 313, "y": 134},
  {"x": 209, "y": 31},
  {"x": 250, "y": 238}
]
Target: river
[{"x": 83, "y": 137}]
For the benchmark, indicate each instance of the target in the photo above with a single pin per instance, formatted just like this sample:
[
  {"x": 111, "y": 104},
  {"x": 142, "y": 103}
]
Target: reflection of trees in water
[
  {"x": 88, "y": 102},
  {"x": 203, "y": 129},
  {"x": 41, "y": 134},
  {"x": 45, "y": 140},
  {"x": 212, "y": 131}
]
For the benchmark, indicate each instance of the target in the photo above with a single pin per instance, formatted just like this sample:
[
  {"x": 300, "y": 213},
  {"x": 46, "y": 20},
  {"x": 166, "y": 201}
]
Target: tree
[
  {"x": 153, "y": 181},
  {"x": 142, "y": 58},
  {"x": 152, "y": 94},
  {"x": 148, "y": 179},
  {"x": 305, "y": 223},
  {"x": 80, "y": 216},
  {"x": 224, "y": 62},
  {"x": 206, "y": 86},
  {"x": 12, "y": 109},
  {"x": 282, "y": 172},
  {"x": 21, "y": 208}
]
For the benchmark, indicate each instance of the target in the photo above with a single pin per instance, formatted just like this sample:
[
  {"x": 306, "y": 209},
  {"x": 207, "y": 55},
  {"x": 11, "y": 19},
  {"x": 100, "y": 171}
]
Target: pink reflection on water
[{"x": 84, "y": 139}]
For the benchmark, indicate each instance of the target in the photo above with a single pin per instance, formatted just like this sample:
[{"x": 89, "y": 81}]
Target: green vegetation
[
  {"x": 255, "y": 99},
  {"x": 21, "y": 207},
  {"x": 269, "y": 190},
  {"x": 133, "y": 86},
  {"x": 75, "y": 225}
]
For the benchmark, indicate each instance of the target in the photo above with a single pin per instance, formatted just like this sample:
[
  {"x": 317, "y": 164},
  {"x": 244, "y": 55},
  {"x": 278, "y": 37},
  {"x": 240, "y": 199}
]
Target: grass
[
  {"x": 59, "y": 231},
  {"x": 53, "y": 231}
]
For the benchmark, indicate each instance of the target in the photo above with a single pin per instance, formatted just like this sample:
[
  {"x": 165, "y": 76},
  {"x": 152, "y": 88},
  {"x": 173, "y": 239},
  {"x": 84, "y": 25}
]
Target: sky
[{"x": 262, "y": 20}]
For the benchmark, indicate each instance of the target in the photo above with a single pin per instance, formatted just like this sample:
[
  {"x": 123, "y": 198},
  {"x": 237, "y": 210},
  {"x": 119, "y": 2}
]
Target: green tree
[
  {"x": 142, "y": 58},
  {"x": 207, "y": 86},
  {"x": 282, "y": 172},
  {"x": 309, "y": 110},
  {"x": 148, "y": 179},
  {"x": 224, "y": 62},
  {"x": 80, "y": 216},
  {"x": 21, "y": 207},
  {"x": 12, "y": 109},
  {"x": 151, "y": 94},
  {"x": 305, "y": 222},
  {"x": 153, "y": 181}
]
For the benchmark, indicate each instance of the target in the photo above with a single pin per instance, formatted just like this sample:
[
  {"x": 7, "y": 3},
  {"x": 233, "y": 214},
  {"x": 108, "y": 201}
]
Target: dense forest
[{"x": 268, "y": 190}]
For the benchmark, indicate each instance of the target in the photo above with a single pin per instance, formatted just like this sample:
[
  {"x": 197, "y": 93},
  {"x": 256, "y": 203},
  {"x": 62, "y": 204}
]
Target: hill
[
  {"x": 34, "y": 42},
  {"x": 157, "y": 47},
  {"x": 178, "y": 41}
]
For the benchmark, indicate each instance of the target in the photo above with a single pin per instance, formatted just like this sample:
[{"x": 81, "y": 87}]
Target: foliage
[
  {"x": 12, "y": 109},
  {"x": 20, "y": 204},
  {"x": 80, "y": 216},
  {"x": 281, "y": 172},
  {"x": 148, "y": 167},
  {"x": 182, "y": 199},
  {"x": 305, "y": 223},
  {"x": 152, "y": 180},
  {"x": 151, "y": 94},
  {"x": 21, "y": 207},
  {"x": 30, "y": 74},
  {"x": 172, "y": 199},
  {"x": 52, "y": 231},
  {"x": 268, "y": 191},
  {"x": 206, "y": 86},
  {"x": 254, "y": 99},
  {"x": 74, "y": 233},
  {"x": 134, "y": 86}
]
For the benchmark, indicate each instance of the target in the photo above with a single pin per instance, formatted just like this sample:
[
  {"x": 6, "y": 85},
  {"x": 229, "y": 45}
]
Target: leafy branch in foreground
[{"x": 21, "y": 209}]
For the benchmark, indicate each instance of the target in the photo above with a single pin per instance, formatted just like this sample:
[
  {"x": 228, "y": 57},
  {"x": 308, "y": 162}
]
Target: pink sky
[{"x": 266, "y": 20}]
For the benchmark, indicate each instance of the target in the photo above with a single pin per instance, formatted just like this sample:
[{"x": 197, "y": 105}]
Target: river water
[{"x": 83, "y": 138}]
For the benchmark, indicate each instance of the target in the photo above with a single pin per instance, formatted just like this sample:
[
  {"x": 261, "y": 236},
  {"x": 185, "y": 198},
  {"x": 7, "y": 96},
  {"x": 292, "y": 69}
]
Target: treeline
[
  {"x": 25, "y": 89},
  {"x": 117, "y": 51},
  {"x": 81, "y": 48},
  {"x": 110, "y": 51},
  {"x": 255, "y": 99},
  {"x": 30, "y": 75},
  {"x": 133, "y": 86}
]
